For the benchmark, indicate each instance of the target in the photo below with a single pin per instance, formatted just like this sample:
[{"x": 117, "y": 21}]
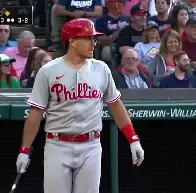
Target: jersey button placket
[{"x": 78, "y": 80}]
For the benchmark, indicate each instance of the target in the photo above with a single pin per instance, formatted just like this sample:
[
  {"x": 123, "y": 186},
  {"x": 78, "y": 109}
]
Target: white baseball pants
[{"x": 72, "y": 167}]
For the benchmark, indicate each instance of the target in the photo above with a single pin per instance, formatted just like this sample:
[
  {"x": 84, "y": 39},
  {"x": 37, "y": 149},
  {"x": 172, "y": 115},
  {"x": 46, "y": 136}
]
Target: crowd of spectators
[{"x": 146, "y": 43}]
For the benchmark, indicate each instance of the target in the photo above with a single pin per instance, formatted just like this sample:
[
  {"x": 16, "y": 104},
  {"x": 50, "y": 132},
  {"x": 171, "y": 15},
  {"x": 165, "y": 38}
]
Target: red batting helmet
[{"x": 78, "y": 28}]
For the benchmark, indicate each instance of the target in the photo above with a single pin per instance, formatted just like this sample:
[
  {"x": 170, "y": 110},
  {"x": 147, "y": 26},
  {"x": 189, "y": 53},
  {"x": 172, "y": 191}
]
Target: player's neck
[{"x": 74, "y": 61}]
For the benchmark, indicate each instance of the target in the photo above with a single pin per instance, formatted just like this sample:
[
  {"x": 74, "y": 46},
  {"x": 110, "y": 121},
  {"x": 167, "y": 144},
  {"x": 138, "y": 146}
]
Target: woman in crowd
[
  {"x": 42, "y": 59},
  {"x": 179, "y": 18},
  {"x": 150, "y": 46},
  {"x": 162, "y": 17},
  {"x": 163, "y": 64},
  {"x": 29, "y": 66},
  {"x": 6, "y": 80}
]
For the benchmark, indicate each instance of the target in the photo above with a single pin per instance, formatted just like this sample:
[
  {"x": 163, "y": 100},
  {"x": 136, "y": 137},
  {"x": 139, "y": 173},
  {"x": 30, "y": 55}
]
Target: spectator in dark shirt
[
  {"x": 133, "y": 33},
  {"x": 110, "y": 25},
  {"x": 180, "y": 78},
  {"x": 132, "y": 75},
  {"x": 189, "y": 42},
  {"x": 71, "y": 9},
  {"x": 162, "y": 17}
]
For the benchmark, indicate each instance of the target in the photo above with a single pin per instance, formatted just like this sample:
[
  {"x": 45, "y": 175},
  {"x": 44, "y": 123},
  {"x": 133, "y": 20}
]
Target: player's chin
[{"x": 89, "y": 55}]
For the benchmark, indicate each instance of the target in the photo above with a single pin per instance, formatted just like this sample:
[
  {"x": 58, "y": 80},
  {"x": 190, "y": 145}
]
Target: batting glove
[
  {"x": 22, "y": 162},
  {"x": 137, "y": 153}
]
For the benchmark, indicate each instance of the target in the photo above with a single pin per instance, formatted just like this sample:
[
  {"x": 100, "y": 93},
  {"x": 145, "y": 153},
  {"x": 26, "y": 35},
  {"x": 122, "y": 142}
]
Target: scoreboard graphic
[{"x": 16, "y": 15}]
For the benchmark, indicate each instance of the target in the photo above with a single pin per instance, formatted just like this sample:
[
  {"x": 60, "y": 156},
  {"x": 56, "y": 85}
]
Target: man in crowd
[
  {"x": 133, "y": 33},
  {"x": 65, "y": 10},
  {"x": 162, "y": 17},
  {"x": 189, "y": 42},
  {"x": 4, "y": 36},
  {"x": 26, "y": 42},
  {"x": 110, "y": 25},
  {"x": 180, "y": 78},
  {"x": 133, "y": 75}
]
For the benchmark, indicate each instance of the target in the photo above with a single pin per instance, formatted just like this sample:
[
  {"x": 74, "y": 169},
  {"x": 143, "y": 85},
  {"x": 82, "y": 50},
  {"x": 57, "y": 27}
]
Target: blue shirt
[
  {"x": 162, "y": 24},
  {"x": 7, "y": 45},
  {"x": 108, "y": 24},
  {"x": 171, "y": 81},
  {"x": 147, "y": 51},
  {"x": 86, "y": 5}
]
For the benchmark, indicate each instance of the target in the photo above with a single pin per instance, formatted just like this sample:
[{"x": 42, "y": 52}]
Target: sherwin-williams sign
[{"x": 136, "y": 111}]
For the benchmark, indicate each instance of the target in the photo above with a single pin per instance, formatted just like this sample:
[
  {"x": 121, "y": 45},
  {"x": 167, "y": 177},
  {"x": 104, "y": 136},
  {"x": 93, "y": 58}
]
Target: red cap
[{"x": 78, "y": 28}]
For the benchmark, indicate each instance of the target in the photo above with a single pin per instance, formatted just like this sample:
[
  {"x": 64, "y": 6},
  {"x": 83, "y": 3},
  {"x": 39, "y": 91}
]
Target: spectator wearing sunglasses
[
  {"x": 4, "y": 38},
  {"x": 26, "y": 42},
  {"x": 6, "y": 80}
]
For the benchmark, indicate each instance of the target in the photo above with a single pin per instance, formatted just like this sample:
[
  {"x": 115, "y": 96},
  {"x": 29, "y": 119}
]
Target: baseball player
[{"x": 71, "y": 90}]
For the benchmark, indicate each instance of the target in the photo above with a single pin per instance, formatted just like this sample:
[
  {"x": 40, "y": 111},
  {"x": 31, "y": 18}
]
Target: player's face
[
  {"x": 25, "y": 46},
  {"x": 4, "y": 33},
  {"x": 46, "y": 59},
  {"x": 84, "y": 46},
  {"x": 184, "y": 63},
  {"x": 5, "y": 68}
]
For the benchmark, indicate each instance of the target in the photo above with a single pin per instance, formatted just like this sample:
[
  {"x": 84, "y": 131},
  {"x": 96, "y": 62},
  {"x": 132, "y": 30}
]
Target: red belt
[{"x": 73, "y": 138}]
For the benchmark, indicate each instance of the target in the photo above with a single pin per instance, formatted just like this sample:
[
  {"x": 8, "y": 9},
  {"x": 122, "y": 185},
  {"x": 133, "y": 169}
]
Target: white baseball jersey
[{"x": 73, "y": 98}]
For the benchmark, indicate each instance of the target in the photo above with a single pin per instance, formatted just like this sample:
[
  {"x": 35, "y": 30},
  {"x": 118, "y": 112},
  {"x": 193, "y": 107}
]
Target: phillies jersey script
[{"x": 73, "y": 98}]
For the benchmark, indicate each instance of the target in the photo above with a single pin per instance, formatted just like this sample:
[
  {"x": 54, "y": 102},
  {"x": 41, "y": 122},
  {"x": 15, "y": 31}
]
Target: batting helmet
[{"x": 78, "y": 28}]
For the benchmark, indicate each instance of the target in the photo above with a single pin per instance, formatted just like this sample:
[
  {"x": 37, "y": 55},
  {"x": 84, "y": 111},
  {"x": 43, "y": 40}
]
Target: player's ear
[{"x": 72, "y": 42}]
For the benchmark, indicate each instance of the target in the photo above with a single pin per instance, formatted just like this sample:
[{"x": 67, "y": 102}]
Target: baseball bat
[{"x": 19, "y": 175}]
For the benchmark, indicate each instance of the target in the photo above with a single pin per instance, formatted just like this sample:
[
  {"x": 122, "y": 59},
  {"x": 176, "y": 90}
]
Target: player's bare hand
[
  {"x": 137, "y": 153},
  {"x": 22, "y": 162}
]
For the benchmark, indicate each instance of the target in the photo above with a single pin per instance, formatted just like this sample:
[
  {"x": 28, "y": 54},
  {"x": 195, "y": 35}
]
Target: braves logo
[{"x": 83, "y": 91}]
